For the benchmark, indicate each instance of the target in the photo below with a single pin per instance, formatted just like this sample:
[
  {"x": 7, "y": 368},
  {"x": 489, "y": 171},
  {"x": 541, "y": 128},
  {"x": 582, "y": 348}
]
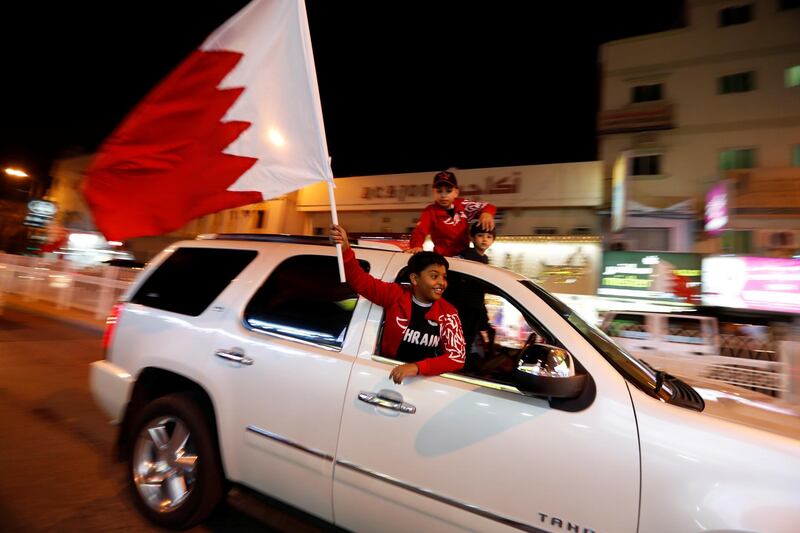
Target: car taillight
[{"x": 111, "y": 324}]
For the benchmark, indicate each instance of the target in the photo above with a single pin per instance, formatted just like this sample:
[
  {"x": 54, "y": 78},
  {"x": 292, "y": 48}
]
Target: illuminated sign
[
  {"x": 765, "y": 283},
  {"x": 40, "y": 213},
  {"x": 717, "y": 208},
  {"x": 556, "y": 265},
  {"x": 665, "y": 276},
  {"x": 619, "y": 193}
]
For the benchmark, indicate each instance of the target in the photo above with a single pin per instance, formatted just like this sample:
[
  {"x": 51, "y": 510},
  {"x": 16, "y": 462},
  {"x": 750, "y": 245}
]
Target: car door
[
  {"x": 285, "y": 365},
  {"x": 476, "y": 454}
]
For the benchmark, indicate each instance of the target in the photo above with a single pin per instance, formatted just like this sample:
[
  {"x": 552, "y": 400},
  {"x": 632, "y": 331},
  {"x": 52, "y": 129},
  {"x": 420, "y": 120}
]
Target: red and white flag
[{"x": 238, "y": 122}]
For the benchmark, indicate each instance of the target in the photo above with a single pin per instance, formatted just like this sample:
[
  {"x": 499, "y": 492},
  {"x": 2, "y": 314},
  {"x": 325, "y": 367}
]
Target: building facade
[
  {"x": 541, "y": 200},
  {"x": 557, "y": 199},
  {"x": 683, "y": 110}
]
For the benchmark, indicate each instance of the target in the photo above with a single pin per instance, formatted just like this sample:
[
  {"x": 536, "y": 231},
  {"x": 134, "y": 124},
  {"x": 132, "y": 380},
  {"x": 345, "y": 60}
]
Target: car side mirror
[{"x": 545, "y": 370}]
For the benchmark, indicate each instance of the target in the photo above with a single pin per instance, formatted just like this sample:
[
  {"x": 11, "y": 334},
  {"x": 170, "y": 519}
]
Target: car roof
[{"x": 286, "y": 238}]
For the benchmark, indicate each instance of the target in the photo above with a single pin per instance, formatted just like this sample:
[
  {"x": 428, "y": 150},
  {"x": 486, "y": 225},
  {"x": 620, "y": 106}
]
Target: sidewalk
[{"x": 75, "y": 317}]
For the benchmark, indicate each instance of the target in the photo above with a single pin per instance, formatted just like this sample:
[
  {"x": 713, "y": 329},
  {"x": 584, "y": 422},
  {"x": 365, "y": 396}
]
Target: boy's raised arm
[{"x": 374, "y": 290}]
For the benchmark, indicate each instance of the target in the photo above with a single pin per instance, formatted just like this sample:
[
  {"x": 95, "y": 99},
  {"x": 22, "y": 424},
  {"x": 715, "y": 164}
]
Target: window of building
[
  {"x": 646, "y": 165},
  {"x": 647, "y": 93},
  {"x": 796, "y": 155},
  {"x": 649, "y": 239},
  {"x": 733, "y": 15},
  {"x": 791, "y": 76},
  {"x": 788, "y": 4},
  {"x": 545, "y": 230},
  {"x": 260, "y": 219},
  {"x": 737, "y": 242},
  {"x": 738, "y": 158},
  {"x": 303, "y": 299},
  {"x": 191, "y": 278},
  {"x": 741, "y": 82}
]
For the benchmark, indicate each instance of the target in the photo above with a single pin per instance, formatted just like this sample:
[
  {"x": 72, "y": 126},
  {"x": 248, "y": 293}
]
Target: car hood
[{"x": 749, "y": 408}]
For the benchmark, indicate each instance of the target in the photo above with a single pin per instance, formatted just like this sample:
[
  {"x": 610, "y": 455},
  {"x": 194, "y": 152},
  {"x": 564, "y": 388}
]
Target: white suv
[{"x": 243, "y": 360}]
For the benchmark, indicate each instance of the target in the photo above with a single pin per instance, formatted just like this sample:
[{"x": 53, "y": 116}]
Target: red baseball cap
[{"x": 445, "y": 178}]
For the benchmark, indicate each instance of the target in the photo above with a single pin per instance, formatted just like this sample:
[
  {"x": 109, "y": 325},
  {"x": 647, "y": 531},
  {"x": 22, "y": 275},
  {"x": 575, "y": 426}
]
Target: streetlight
[{"x": 17, "y": 173}]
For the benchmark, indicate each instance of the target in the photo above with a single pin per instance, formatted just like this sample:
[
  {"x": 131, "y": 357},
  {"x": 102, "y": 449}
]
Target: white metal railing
[
  {"x": 64, "y": 284},
  {"x": 768, "y": 377}
]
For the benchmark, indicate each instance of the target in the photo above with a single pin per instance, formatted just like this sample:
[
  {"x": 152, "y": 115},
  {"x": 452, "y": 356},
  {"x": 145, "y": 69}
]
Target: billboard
[
  {"x": 763, "y": 283},
  {"x": 671, "y": 277},
  {"x": 717, "y": 208}
]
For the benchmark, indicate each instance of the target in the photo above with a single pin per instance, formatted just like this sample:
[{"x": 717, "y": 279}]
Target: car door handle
[
  {"x": 389, "y": 401},
  {"x": 234, "y": 354},
  {"x": 645, "y": 347}
]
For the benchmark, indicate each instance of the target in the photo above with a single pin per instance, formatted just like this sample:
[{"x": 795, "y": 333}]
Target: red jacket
[
  {"x": 450, "y": 235},
  {"x": 396, "y": 301}
]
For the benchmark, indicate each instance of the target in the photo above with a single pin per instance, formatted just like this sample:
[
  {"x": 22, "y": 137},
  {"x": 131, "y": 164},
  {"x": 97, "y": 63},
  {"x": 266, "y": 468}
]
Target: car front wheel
[{"x": 175, "y": 471}]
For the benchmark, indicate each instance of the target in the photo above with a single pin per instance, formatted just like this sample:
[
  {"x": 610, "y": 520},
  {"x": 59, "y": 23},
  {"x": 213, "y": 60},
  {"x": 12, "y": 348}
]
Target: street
[{"x": 58, "y": 473}]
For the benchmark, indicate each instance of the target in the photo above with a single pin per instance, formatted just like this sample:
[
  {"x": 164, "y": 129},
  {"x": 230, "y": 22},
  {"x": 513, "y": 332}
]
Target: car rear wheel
[{"x": 175, "y": 471}]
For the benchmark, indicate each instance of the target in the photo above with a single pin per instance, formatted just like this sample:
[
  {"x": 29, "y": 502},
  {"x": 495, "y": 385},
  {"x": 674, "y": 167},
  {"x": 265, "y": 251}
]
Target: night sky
[{"x": 405, "y": 86}]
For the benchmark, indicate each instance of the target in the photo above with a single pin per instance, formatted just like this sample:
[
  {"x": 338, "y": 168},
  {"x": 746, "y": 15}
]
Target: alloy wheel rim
[{"x": 164, "y": 464}]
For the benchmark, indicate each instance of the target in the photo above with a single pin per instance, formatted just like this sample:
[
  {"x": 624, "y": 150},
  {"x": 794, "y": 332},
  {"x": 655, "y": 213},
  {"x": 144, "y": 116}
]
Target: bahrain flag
[{"x": 238, "y": 122}]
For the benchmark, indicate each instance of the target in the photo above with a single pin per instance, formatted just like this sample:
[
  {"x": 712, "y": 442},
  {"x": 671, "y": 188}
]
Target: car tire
[{"x": 174, "y": 469}]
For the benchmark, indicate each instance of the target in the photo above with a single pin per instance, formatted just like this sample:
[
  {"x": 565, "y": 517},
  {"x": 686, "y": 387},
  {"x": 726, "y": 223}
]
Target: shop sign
[
  {"x": 665, "y": 276},
  {"x": 761, "y": 283},
  {"x": 490, "y": 186},
  {"x": 717, "y": 208},
  {"x": 40, "y": 213}
]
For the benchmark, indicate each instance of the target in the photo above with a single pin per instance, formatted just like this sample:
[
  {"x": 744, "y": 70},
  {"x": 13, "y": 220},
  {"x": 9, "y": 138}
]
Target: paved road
[{"x": 56, "y": 467}]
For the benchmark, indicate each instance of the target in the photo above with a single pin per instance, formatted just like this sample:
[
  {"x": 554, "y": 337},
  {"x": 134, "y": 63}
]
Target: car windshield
[{"x": 630, "y": 367}]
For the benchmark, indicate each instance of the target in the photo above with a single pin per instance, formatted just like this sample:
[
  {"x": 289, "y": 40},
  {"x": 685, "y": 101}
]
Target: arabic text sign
[
  {"x": 665, "y": 276},
  {"x": 765, "y": 283}
]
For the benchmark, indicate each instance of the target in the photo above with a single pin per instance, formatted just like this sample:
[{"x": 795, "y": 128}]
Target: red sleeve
[
  {"x": 422, "y": 230},
  {"x": 454, "y": 347},
  {"x": 475, "y": 209},
  {"x": 374, "y": 290}
]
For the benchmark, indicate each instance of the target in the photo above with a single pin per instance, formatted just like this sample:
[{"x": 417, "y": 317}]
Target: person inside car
[{"x": 420, "y": 327}]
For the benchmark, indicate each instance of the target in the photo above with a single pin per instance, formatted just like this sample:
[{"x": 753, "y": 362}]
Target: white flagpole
[{"x": 335, "y": 219}]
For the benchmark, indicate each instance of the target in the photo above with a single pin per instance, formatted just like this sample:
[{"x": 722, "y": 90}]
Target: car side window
[
  {"x": 191, "y": 278},
  {"x": 495, "y": 328},
  {"x": 303, "y": 299},
  {"x": 628, "y": 325}
]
